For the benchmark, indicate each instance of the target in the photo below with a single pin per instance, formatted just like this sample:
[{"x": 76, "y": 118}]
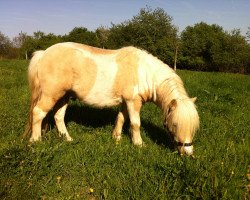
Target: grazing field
[{"x": 93, "y": 166}]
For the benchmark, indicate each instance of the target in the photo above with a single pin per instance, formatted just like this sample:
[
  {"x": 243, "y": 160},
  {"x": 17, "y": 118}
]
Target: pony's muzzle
[{"x": 186, "y": 150}]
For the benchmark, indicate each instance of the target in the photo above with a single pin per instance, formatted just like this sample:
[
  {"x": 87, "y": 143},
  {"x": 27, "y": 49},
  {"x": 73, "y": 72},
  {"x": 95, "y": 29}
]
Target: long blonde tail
[{"x": 34, "y": 85}]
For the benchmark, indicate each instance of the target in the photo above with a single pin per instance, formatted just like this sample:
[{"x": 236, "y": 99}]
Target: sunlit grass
[{"x": 94, "y": 166}]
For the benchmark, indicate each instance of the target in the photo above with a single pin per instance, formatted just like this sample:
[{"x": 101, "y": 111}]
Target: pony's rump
[{"x": 34, "y": 88}]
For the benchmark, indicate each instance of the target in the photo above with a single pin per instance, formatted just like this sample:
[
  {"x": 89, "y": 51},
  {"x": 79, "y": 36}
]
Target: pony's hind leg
[
  {"x": 121, "y": 117},
  {"x": 43, "y": 106},
  {"x": 59, "y": 118}
]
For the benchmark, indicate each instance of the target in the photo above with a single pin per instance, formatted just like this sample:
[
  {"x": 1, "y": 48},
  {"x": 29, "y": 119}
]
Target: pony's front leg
[
  {"x": 121, "y": 117},
  {"x": 134, "y": 108}
]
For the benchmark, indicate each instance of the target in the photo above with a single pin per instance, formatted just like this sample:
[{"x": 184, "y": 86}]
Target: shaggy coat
[{"x": 104, "y": 78}]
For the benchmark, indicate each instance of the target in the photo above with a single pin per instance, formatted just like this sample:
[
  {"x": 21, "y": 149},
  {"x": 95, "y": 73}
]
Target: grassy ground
[{"x": 95, "y": 167}]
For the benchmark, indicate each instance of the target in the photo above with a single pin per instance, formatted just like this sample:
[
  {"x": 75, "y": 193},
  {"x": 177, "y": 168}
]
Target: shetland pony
[{"x": 103, "y": 78}]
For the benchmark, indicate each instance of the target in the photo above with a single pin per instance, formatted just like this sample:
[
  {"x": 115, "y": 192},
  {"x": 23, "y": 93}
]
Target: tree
[
  {"x": 81, "y": 35},
  {"x": 102, "y": 35},
  {"x": 18, "y": 42},
  {"x": 151, "y": 30},
  {"x": 177, "y": 46},
  {"x": 197, "y": 44},
  {"x": 38, "y": 35},
  {"x": 234, "y": 53},
  {"x": 39, "y": 41},
  {"x": 5, "y": 45},
  {"x": 248, "y": 34},
  {"x": 210, "y": 48}
]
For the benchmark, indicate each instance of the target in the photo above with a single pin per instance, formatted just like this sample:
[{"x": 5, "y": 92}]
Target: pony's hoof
[
  {"x": 69, "y": 139},
  {"x": 116, "y": 137},
  {"x": 140, "y": 144},
  {"x": 32, "y": 140}
]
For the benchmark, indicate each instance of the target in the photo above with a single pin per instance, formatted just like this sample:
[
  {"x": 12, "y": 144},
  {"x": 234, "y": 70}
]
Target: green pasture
[{"x": 93, "y": 166}]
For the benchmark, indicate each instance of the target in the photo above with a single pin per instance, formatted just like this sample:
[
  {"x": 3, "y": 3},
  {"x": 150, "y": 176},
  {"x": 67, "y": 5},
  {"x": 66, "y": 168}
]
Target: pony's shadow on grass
[
  {"x": 92, "y": 117},
  {"x": 158, "y": 135},
  {"x": 96, "y": 118}
]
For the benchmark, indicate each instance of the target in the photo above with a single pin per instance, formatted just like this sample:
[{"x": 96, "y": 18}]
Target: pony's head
[{"x": 182, "y": 121}]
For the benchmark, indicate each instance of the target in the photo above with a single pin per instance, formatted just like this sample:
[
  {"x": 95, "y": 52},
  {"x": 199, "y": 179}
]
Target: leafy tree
[
  {"x": 102, "y": 35},
  {"x": 151, "y": 30},
  {"x": 28, "y": 47},
  {"x": 5, "y": 45},
  {"x": 198, "y": 45},
  {"x": 39, "y": 40},
  {"x": 81, "y": 35},
  {"x": 38, "y": 35},
  {"x": 248, "y": 35},
  {"x": 210, "y": 48},
  {"x": 46, "y": 41},
  {"x": 20, "y": 42},
  {"x": 120, "y": 35},
  {"x": 233, "y": 55}
]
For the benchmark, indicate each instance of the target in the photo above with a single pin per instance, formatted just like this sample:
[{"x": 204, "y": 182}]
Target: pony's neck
[{"x": 171, "y": 88}]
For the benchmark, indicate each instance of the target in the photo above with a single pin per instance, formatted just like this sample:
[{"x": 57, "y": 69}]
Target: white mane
[{"x": 185, "y": 113}]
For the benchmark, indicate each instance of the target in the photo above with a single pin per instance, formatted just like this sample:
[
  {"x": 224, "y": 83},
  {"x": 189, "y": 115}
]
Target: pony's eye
[{"x": 169, "y": 111}]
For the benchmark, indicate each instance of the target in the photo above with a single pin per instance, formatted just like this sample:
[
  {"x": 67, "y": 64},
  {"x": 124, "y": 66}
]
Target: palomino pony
[{"x": 104, "y": 78}]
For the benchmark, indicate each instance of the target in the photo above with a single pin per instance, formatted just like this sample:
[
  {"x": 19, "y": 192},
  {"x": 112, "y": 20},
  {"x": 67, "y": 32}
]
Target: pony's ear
[
  {"x": 194, "y": 99},
  {"x": 173, "y": 104}
]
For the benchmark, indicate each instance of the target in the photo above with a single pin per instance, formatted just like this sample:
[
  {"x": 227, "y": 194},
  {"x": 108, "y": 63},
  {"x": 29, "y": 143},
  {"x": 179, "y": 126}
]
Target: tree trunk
[{"x": 175, "y": 57}]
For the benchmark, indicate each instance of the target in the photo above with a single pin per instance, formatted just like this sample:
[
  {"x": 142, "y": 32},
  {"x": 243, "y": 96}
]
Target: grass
[{"x": 93, "y": 166}]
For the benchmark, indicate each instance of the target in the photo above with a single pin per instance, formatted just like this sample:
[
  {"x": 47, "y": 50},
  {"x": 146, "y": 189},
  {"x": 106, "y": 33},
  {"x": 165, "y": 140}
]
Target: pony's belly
[{"x": 101, "y": 100}]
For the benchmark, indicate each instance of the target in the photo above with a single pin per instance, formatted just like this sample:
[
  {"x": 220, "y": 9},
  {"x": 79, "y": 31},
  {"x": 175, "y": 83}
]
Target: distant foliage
[
  {"x": 201, "y": 47},
  {"x": 38, "y": 41},
  {"x": 248, "y": 35},
  {"x": 81, "y": 35},
  {"x": 151, "y": 30},
  {"x": 7, "y": 50},
  {"x": 210, "y": 48}
]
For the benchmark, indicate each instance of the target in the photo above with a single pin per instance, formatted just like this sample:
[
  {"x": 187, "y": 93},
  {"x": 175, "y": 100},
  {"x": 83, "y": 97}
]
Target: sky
[{"x": 61, "y": 16}]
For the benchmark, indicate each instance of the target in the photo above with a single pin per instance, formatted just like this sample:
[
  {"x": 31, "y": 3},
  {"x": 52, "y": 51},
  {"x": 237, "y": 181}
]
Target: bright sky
[{"x": 61, "y": 16}]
